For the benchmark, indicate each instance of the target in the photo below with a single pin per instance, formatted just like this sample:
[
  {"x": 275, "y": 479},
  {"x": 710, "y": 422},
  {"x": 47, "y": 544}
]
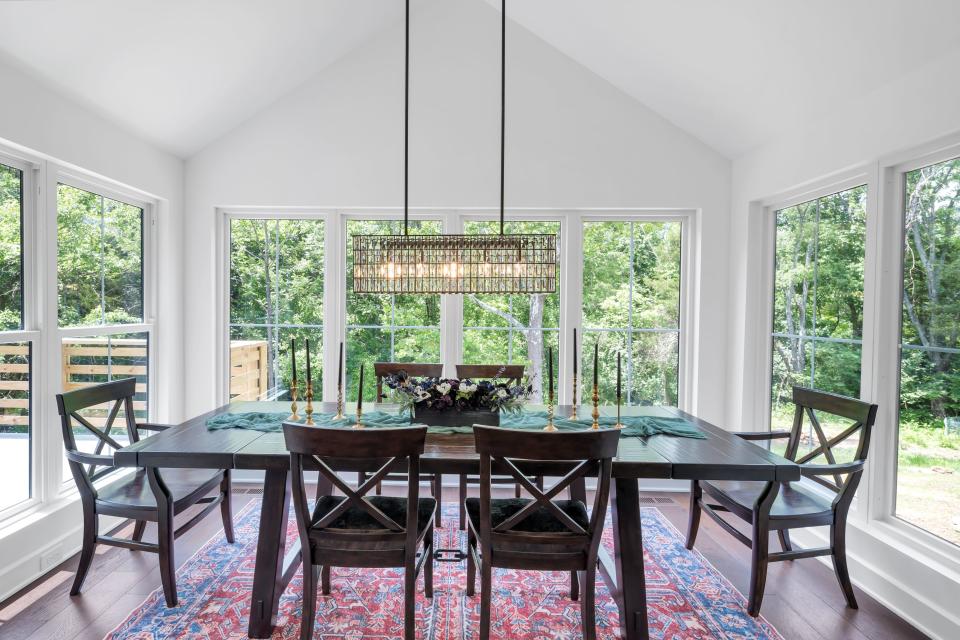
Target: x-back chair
[
  {"x": 772, "y": 506},
  {"x": 542, "y": 533},
  {"x": 359, "y": 530},
  {"x": 145, "y": 495}
]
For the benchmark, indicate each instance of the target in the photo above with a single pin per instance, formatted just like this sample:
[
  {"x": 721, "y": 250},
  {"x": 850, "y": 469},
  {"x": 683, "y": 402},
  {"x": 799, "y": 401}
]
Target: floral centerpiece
[{"x": 456, "y": 402}]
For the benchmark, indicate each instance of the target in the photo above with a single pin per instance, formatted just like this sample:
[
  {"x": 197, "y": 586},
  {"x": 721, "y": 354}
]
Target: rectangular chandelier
[{"x": 518, "y": 263}]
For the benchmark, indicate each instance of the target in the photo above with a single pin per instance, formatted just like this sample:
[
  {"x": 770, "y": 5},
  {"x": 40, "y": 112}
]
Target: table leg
[
  {"x": 268, "y": 583},
  {"x": 628, "y": 551}
]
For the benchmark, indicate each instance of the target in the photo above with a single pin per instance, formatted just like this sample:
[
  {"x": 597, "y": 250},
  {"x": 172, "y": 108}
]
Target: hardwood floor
[{"x": 802, "y": 598}]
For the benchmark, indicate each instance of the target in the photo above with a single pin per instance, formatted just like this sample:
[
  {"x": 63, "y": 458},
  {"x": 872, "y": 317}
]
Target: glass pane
[
  {"x": 276, "y": 294},
  {"x": 15, "y": 432},
  {"x": 631, "y": 288},
  {"x": 791, "y": 367},
  {"x": 841, "y": 245},
  {"x": 11, "y": 245},
  {"x": 794, "y": 259},
  {"x": 526, "y": 317},
  {"x": 928, "y": 475},
  {"x": 388, "y": 328},
  {"x": 99, "y": 259},
  {"x": 94, "y": 360}
]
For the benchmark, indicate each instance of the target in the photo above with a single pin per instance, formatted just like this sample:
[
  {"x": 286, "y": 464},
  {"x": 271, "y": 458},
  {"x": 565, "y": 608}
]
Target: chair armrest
[
  {"x": 761, "y": 435},
  {"x": 97, "y": 460},
  {"x": 152, "y": 426},
  {"x": 813, "y": 470}
]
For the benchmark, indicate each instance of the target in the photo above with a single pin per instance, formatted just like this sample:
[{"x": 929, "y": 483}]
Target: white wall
[
  {"x": 906, "y": 113},
  {"x": 39, "y": 120},
  {"x": 573, "y": 140}
]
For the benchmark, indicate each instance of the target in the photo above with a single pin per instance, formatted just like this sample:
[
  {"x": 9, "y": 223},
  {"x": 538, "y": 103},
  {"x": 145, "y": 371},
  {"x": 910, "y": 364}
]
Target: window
[
  {"x": 388, "y": 328},
  {"x": 104, "y": 333},
  {"x": 928, "y": 473},
  {"x": 276, "y": 295},
  {"x": 818, "y": 301},
  {"x": 15, "y": 353},
  {"x": 513, "y": 329},
  {"x": 631, "y": 304}
]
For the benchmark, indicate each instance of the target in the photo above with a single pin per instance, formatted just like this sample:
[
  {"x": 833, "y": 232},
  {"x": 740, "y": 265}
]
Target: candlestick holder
[
  {"x": 339, "y": 415},
  {"x": 573, "y": 411},
  {"x": 294, "y": 416},
  {"x": 619, "y": 424},
  {"x": 359, "y": 424},
  {"x": 550, "y": 426},
  {"x": 596, "y": 408},
  {"x": 309, "y": 410}
]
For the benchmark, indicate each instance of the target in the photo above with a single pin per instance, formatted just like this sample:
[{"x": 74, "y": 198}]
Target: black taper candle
[
  {"x": 574, "y": 353},
  {"x": 340, "y": 368},
  {"x": 308, "y": 362},
  {"x": 293, "y": 356},
  {"x": 360, "y": 390},
  {"x": 596, "y": 349},
  {"x": 618, "y": 376},
  {"x": 550, "y": 372}
]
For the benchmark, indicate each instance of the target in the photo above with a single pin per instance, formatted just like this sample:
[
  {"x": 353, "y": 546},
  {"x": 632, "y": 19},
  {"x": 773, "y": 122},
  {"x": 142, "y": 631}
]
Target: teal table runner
[{"x": 641, "y": 426}]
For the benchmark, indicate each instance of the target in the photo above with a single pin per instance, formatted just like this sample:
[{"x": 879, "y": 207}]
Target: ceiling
[{"x": 735, "y": 73}]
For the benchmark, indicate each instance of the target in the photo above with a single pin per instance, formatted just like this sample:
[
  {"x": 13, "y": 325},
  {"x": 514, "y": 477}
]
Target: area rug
[{"x": 687, "y": 597}]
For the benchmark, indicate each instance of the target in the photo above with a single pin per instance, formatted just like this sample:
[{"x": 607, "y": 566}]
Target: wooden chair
[
  {"x": 540, "y": 534},
  {"x": 146, "y": 495},
  {"x": 356, "y": 530},
  {"x": 779, "y": 507},
  {"x": 512, "y": 374},
  {"x": 416, "y": 370}
]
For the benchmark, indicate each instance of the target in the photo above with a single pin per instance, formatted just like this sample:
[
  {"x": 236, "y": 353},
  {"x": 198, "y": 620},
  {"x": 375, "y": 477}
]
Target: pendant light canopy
[{"x": 492, "y": 263}]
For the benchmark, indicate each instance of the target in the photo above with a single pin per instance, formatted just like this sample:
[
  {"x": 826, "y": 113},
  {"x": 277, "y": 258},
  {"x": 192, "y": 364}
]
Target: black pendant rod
[
  {"x": 406, "y": 118},
  {"x": 503, "y": 100}
]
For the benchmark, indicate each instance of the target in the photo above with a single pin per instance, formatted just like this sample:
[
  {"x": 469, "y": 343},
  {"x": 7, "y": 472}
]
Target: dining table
[{"x": 718, "y": 455}]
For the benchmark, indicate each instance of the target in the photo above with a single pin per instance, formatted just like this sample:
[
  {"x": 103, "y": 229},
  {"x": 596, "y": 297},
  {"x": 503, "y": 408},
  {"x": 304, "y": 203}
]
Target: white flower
[
  {"x": 443, "y": 388},
  {"x": 502, "y": 393},
  {"x": 421, "y": 394},
  {"x": 468, "y": 388}
]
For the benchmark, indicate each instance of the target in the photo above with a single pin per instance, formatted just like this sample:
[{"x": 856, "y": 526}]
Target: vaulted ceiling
[{"x": 735, "y": 74}]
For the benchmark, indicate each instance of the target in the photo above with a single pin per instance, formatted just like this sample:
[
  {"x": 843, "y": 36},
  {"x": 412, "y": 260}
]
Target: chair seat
[
  {"x": 540, "y": 521},
  {"x": 358, "y": 519},
  {"x": 794, "y": 499},
  {"x": 135, "y": 491}
]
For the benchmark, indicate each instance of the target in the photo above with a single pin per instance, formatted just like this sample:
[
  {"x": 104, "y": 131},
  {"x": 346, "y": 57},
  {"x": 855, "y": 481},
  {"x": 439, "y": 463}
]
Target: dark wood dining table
[{"x": 721, "y": 455}]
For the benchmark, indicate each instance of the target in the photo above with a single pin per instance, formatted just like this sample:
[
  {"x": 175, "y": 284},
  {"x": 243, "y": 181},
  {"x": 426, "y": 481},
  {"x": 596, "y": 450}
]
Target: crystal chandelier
[{"x": 492, "y": 263}]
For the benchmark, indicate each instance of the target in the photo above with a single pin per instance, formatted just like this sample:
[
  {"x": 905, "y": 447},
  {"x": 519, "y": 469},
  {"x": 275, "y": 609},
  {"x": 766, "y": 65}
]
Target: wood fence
[{"x": 87, "y": 361}]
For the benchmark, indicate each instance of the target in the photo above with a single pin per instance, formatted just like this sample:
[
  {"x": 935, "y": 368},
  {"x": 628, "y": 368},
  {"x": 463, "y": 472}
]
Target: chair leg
[
  {"x": 138, "y": 528},
  {"x": 784, "y": 536},
  {"x": 516, "y": 490},
  {"x": 410, "y": 601},
  {"x": 309, "y": 614},
  {"x": 428, "y": 565},
  {"x": 838, "y": 537},
  {"x": 167, "y": 558},
  {"x": 379, "y": 488},
  {"x": 226, "y": 506},
  {"x": 693, "y": 523},
  {"x": 463, "y": 501},
  {"x": 91, "y": 526},
  {"x": 436, "y": 488},
  {"x": 325, "y": 579},
  {"x": 471, "y": 566},
  {"x": 758, "y": 568},
  {"x": 539, "y": 482},
  {"x": 361, "y": 478},
  {"x": 574, "y": 585},
  {"x": 588, "y": 607},
  {"x": 486, "y": 587}
]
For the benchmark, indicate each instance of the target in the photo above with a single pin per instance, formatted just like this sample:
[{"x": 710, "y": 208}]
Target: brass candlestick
[
  {"x": 294, "y": 416},
  {"x": 573, "y": 411},
  {"x": 339, "y": 415},
  {"x": 596, "y": 408},
  {"x": 309, "y": 409},
  {"x": 359, "y": 424},
  {"x": 619, "y": 424},
  {"x": 550, "y": 426}
]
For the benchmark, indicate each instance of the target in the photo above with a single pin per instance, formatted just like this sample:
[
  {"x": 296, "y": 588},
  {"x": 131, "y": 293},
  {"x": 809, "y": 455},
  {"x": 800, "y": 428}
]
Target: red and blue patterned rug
[{"x": 687, "y": 597}]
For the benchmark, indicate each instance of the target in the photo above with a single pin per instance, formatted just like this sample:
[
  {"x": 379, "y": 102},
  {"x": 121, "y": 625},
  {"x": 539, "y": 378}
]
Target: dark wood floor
[{"x": 802, "y": 599}]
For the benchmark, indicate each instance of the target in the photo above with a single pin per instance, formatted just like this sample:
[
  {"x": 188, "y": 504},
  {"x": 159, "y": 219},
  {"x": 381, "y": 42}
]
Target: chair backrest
[
  {"x": 71, "y": 404},
  {"x": 810, "y": 402},
  {"x": 512, "y": 373},
  {"x": 321, "y": 445},
  {"x": 589, "y": 452},
  {"x": 415, "y": 369}
]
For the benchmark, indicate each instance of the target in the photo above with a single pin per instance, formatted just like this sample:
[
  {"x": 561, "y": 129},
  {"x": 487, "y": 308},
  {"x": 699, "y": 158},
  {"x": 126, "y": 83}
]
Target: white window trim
[{"x": 451, "y": 315}]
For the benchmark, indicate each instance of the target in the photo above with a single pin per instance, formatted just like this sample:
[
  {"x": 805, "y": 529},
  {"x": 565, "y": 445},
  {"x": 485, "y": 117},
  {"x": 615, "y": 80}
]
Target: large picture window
[
  {"x": 388, "y": 328},
  {"x": 512, "y": 329},
  {"x": 928, "y": 474},
  {"x": 276, "y": 295},
  {"x": 818, "y": 299},
  {"x": 631, "y": 304}
]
